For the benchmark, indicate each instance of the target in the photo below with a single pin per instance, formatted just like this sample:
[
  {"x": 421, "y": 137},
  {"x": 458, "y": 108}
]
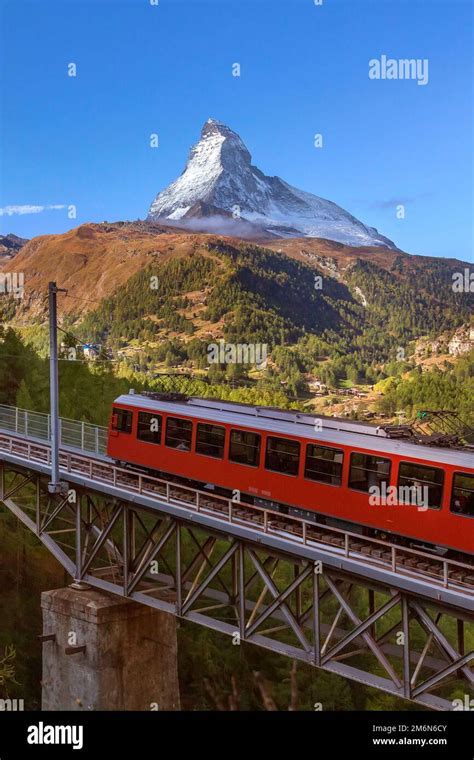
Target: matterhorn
[{"x": 220, "y": 187}]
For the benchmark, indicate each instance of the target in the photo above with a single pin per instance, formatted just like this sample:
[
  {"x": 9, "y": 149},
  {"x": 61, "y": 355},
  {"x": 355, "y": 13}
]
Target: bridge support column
[{"x": 104, "y": 652}]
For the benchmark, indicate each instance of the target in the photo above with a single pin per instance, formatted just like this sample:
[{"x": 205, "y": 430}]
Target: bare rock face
[
  {"x": 219, "y": 182},
  {"x": 10, "y": 245}
]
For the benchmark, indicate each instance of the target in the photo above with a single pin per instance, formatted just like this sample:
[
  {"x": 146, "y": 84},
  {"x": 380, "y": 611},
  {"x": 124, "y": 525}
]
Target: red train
[{"x": 344, "y": 473}]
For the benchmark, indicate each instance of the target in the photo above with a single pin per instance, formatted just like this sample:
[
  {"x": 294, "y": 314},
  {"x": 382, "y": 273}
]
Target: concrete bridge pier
[{"x": 104, "y": 652}]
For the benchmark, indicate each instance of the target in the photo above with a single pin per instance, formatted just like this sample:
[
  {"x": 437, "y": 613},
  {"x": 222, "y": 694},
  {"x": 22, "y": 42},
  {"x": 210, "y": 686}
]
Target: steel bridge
[{"x": 385, "y": 616}]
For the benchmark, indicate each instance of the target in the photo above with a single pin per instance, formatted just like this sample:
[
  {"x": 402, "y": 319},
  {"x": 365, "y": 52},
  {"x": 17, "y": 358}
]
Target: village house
[{"x": 316, "y": 385}]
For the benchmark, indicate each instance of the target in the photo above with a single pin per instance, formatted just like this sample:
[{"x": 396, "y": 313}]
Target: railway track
[
  {"x": 440, "y": 571},
  {"x": 317, "y": 534}
]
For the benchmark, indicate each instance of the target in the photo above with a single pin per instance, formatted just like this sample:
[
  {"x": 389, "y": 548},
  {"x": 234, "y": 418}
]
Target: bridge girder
[{"x": 364, "y": 630}]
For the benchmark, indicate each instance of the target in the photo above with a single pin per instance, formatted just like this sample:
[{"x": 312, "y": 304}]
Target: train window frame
[
  {"x": 181, "y": 419},
  {"x": 152, "y": 415},
  {"x": 451, "y": 510},
  {"x": 363, "y": 453},
  {"x": 328, "y": 448},
  {"x": 286, "y": 440},
  {"x": 210, "y": 425},
  {"x": 425, "y": 467},
  {"x": 258, "y": 448},
  {"x": 118, "y": 412}
]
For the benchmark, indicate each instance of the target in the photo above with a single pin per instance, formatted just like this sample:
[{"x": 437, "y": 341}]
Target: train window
[
  {"x": 179, "y": 433},
  {"x": 324, "y": 465},
  {"x": 462, "y": 500},
  {"x": 282, "y": 455},
  {"x": 367, "y": 471},
  {"x": 149, "y": 427},
  {"x": 210, "y": 440},
  {"x": 423, "y": 485},
  {"x": 122, "y": 420},
  {"x": 244, "y": 447}
]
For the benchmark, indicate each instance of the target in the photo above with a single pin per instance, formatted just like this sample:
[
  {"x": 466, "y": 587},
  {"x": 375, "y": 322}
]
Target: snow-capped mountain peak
[{"x": 219, "y": 179}]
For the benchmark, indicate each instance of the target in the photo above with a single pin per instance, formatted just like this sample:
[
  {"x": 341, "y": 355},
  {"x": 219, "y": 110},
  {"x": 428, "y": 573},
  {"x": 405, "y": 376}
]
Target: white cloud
[{"x": 20, "y": 210}]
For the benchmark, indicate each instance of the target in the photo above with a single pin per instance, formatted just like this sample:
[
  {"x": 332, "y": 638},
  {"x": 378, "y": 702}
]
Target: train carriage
[{"x": 342, "y": 472}]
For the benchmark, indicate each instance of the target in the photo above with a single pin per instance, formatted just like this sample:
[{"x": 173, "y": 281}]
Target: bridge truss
[{"x": 243, "y": 573}]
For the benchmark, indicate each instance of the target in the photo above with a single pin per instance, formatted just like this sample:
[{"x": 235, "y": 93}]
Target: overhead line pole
[{"x": 55, "y": 485}]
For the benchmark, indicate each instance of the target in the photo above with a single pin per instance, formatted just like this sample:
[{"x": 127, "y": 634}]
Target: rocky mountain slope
[
  {"x": 91, "y": 261},
  {"x": 10, "y": 245}
]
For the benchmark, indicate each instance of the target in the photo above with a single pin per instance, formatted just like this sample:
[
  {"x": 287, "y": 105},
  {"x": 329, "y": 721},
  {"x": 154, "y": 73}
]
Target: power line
[{"x": 86, "y": 300}]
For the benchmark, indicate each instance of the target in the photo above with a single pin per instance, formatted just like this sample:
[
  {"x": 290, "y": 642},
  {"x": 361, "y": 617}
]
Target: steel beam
[{"x": 229, "y": 580}]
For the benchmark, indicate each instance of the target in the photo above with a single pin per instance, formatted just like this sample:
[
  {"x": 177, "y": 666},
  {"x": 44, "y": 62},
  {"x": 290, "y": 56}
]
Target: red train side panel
[{"x": 435, "y": 526}]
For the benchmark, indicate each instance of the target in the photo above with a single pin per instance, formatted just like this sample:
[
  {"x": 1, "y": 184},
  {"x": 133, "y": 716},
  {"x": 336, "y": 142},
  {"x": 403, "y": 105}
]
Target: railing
[
  {"x": 79, "y": 435},
  {"x": 402, "y": 561}
]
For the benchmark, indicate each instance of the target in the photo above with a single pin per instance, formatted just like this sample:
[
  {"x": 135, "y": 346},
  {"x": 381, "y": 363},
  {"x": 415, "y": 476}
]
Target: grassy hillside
[{"x": 262, "y": 295}]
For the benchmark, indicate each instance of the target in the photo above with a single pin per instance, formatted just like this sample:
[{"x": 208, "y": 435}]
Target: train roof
[{"x": 331, "y": 430}]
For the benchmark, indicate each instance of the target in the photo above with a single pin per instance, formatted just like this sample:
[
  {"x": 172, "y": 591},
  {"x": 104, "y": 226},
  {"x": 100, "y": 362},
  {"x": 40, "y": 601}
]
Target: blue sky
[{"x": 165, "y": 69}]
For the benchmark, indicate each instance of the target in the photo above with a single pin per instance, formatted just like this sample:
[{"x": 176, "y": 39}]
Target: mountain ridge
[{"x": 93, "y": 260}]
